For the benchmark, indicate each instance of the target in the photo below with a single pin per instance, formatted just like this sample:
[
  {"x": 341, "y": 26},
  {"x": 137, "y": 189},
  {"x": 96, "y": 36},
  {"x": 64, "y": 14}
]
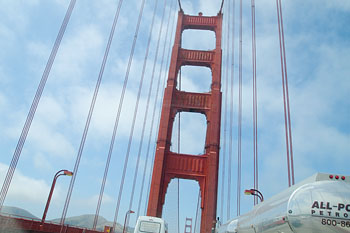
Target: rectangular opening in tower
[
  {"x": 194, "y": 79},
  {"x": 198, "y": 39},
  {"x": 182, "y": 200},
  {"x": 190, "y": 139}
]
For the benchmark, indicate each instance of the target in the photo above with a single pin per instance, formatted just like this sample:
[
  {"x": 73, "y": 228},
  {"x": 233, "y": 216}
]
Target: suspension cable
[
  {"x": 87, "y": 124},
  {"x": 34, "y": 105},
  {"x": 110, "y": 39},
  {"x": 197, "y": 210},
  {"x": 288, "y": 130},
  {"x": 231, "y": 93},
  {"x": 146, "y": 112},
  {"x": 222, "y": 5},
  {"x": 180, "y": 6},
  {"x": 226, "y": 90},
  {"x": 156, "y": 100},
  {"x": 255, "y": 104},
  {"x": 224, "y": 135},
  {"x": 134, "y": 117},
  {"x": 178, "y": 151},
  {"x": 287, "y": 95},
  {"x": 239, "y": 177},
  {"x": 147, "y": 105}
]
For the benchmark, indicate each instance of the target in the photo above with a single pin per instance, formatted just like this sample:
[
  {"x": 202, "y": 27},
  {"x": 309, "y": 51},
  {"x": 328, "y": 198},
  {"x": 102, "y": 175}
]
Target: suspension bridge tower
[{"x": 202, "y": 168}]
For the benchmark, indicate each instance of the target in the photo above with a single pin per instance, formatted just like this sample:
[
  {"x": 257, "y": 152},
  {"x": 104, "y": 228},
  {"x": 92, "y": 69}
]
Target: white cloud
[
  {"x": 51, "y": 111},
  {"x": 76, "y": 53},
  {"x": 48, "y": 140},
  {"x": 41, "y": 162},
  {"x": 24, "y": 187}
]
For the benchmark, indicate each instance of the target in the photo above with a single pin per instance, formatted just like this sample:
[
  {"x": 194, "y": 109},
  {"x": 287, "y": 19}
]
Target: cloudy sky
[{"x": 318, "y": 54}]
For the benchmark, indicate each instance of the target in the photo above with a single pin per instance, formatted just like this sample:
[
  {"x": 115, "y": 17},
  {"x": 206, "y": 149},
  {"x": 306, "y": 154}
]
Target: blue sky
[{"x": 318, "y": 53}]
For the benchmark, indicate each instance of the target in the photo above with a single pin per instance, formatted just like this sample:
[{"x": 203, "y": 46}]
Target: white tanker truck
[{"x": 319, "y": 204}]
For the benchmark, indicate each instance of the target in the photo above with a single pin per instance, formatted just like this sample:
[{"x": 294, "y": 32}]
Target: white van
[{"x": 148, "y": 224}]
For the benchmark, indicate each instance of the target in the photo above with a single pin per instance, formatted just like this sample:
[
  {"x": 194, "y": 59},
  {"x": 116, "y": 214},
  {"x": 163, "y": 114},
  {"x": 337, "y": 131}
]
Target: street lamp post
[
  {"x": 59, "y": 173},
  {"x": 126, "y": 217}
]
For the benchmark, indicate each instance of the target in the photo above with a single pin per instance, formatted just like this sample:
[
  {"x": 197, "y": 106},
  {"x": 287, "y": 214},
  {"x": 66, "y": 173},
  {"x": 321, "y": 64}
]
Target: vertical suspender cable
[
  {"x": 155, "y": 103},
  {"x": 178, "y": 151},
  {"x": 224, "y": 146},
  {"x": 87, "y": 125},
  {"x": 289, "y": 146},
  {"x": 197, "y": 210},
  {"x": 231, "y": 92},
  {"x": 118, "y": 114},
  {"x": 239, "y": 177},
  {"x": 34, "y": 105},
  {"x": 110, "y": 39},
  {"x": 147, "y": 105},
  {"x": 146, "y": 113},
  {"x": 287, "y": 95},
  {"x": 255, "y": 104},
  {"x": 229, "y": 172}
]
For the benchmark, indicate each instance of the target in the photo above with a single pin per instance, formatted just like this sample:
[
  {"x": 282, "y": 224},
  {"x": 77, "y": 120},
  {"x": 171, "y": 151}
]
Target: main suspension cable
[
  {"x": 222, "y": 5},
  {"x": 34, "y": 105},
  {"x": 287, "y": 120},
  {"x": 180, "y": 5},
  {"x": 110, "y": 39}
]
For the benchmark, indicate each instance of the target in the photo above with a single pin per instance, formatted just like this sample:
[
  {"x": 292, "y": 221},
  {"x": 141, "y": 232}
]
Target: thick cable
[
  {"x": 87, "y": 124},
  {"x": 34, "y": 105},
  {"x": 223, "y": 167},
  {"x": 147, "y": 105},
  {"x": 283, "y": 87},
  {"x": 231, "y": 93},
  {"x": 222, "y": 5},
  {"x": 178, "y": 151},
  {"x": 287, "y": 96},
  {"x": 146, "y": 112},
  {"x": 179, "y": 1},
  {"x": 289, "y": 150},
  {"x": 226, "y": 97},
  {"x": 110, "y": 39},
  {"x": 161, "y": 103},
  {"x": 197, "y": 210},
  {"x": 255, "y": 108},
  {"x": 133, "y": 124},
  {"x": 239, "y": 176}
]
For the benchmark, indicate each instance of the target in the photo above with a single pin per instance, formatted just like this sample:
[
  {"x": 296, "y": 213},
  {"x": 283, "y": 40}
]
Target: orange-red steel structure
[
  {"x": 202, "y": 168},
  {"x": 9, "y": 224}
]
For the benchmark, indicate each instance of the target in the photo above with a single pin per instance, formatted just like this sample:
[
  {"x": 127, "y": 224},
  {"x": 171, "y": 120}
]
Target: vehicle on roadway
[
  {"x": 148, "y": 224},
  {"x": 319, "y": 204}
]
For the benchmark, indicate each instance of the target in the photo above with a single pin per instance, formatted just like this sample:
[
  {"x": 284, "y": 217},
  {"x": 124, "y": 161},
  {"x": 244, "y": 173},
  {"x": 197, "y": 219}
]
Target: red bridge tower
[{"x": 202, "y": 168}]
